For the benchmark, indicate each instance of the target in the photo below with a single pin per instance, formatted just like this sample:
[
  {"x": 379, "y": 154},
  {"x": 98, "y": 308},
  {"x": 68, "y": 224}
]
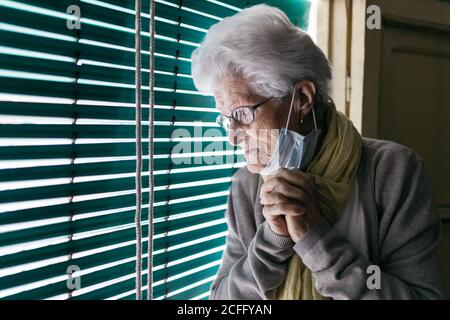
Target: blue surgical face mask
[{"x": 293, "y": 150}]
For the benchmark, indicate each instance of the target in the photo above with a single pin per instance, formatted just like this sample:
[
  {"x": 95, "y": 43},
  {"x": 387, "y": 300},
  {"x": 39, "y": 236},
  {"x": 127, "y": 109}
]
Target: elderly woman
[{"x": 318, "y": 212}]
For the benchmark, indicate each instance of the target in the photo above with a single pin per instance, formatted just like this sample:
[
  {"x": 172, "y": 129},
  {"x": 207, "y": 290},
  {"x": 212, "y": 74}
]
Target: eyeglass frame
[{"x": 231, "y": 118}]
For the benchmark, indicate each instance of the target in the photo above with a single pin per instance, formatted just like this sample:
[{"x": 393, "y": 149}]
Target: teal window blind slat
[{"x": 67, "y": 152}]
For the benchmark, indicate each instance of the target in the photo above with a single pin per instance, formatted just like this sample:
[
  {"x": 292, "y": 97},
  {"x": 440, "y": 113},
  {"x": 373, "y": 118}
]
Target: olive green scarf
[{"x": 334, "y": 169}]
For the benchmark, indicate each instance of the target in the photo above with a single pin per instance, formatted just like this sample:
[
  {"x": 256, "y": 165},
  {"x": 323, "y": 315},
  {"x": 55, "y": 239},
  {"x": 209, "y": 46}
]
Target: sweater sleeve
[
  {"x": 253, "y": 272},
  {"x": 409, "y": 233}
]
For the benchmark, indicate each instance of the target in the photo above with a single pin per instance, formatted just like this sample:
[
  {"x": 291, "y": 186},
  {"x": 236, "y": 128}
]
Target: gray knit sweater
[{"x": 401, "y": 222}]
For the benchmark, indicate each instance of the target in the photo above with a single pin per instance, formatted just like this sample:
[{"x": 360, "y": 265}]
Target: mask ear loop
[
  {"x": 290, "y": 110},
  {"x": 289, "y": 115},
  {"x": 314, "y": 119}
]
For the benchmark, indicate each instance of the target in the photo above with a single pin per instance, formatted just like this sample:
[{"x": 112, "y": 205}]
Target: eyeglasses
[{"x": 243, "y": 116}]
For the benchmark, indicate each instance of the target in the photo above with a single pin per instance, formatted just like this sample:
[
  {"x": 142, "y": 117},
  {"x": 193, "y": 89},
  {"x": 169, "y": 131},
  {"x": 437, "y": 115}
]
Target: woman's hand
[{"x": 290, "y": 207}]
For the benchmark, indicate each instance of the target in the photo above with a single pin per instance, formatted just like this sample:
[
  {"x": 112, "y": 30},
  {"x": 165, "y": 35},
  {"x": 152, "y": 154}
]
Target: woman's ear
[{"x": 307, "y": 95}]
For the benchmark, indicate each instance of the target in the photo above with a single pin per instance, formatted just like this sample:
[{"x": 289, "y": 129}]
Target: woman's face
[{"x": 257, "y": 139}]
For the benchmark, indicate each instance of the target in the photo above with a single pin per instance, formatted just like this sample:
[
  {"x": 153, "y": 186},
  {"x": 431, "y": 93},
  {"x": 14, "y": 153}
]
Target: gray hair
[{"x": 266, "y": 49}]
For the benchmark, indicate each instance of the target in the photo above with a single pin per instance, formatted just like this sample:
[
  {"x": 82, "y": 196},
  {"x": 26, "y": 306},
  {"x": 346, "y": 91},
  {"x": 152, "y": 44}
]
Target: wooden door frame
[
  {"x": 349, "y": 45},
  {"x": 367, "y": 46},
  {"x": 333, "y": 37}
]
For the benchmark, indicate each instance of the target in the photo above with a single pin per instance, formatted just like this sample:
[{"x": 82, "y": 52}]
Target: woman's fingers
[
  {"x": 286, "y": 209},
  {"x": 273, "y": 198},
  {"x": 299, "y": 179},
  {"x": 285, "y": 177},
  {"x": 284, "y": 194}
]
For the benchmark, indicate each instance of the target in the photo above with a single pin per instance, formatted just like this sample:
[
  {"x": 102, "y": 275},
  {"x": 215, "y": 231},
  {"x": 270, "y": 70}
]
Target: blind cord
[
  {"x": 150, "y": 152},
  {"x": 138, "y": 151}
]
